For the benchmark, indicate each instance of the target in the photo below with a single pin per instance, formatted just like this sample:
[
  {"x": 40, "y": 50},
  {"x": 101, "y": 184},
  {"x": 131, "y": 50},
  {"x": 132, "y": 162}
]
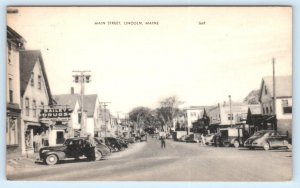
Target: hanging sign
[{"x": 55, "y": 114}]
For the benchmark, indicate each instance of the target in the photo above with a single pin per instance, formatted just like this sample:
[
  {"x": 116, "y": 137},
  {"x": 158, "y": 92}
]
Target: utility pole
[
  {"x": 104, "y": 105},
  {"x": 82, "y": 77},
  {"x": 231, "y": 115},
  {"x": 274, "y": 95}
]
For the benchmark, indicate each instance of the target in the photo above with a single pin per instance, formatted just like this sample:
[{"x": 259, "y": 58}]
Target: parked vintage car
[
  {"x": 114, "y": 144},
  {"x": 73, "y": 148},
  {"x": 192, "y": 138},
  {"x": 267, "y": 139}
]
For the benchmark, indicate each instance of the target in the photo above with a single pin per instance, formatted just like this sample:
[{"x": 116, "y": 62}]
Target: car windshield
[
  {"x": 260, "y": 133},
  {"x": 68, "y": 142}
]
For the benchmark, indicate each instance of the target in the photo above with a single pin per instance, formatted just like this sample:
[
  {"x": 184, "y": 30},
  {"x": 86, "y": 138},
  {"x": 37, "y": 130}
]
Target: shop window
[
  {"x": 39, "y": 82},
  {"x": 27, "y": 106},
  {"x": 34, "y": 108},
  {"x": 11, "y": 131},
  {"x": 11, "y": 92},
  {"x": 32, "y": 79}
]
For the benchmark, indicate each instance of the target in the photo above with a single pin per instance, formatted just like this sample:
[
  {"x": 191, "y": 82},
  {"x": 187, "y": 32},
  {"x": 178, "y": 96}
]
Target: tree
[
  {"x": 141, "y": 116},
  {"x": 252, "y": 97},
  {"x": 168, "y": 110}
]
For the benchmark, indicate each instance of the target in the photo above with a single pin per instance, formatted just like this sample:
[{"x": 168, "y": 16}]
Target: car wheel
[
  {"x": 98, "y": 155},
  {"x": 51, "y": 159},
  {"x": 266, "y": 146},
  {"x": 289, "y": 146},
  {"x": 236, "y": 144}
]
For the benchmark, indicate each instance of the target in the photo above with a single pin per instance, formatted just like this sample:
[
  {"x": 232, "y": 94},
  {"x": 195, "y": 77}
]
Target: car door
[{"x": 275, "y": 139}]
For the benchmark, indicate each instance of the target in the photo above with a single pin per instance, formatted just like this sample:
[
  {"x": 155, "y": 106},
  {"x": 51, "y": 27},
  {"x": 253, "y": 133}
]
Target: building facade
[
  {"x": 14, "y": 44},
  {"x": 35, "y": 93},
  {"x": 283, "y": 102}
]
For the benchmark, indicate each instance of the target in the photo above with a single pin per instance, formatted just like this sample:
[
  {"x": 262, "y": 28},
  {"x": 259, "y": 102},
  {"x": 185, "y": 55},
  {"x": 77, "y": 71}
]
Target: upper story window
[
  {"x": 11, "y": 92},
  {"x": 34, "y": 108},
  {"x": 267, "y": 110},
  {"x": 39, "y": 82},
  {"x": 32, "y": 79},
  {"x": 9, "y": 53},
  {"x": 271, "y": 109},
  {"x": 266, "y": 91},
  {"x": 286, "y": 108},
  {"x": 230, "y": 116},
  {"x": 27, "y": 106},
  {"x": 285, "y": 103},
  {"x": 263, "y": 110}
]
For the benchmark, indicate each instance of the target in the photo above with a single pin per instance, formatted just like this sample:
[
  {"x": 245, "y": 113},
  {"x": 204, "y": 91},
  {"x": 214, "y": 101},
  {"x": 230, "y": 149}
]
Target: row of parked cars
[
  {"x": 266, "y": 139},
  {"x": 81, "y": 147}
]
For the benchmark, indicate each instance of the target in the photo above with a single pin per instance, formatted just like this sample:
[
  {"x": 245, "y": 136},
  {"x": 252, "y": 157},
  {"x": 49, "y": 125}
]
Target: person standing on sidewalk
[{"x": 162, "y": 136}]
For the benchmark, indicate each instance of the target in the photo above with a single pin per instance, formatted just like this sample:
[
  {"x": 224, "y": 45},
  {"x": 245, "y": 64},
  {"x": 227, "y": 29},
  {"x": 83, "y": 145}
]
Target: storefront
[{"x": 13, "y": 126}]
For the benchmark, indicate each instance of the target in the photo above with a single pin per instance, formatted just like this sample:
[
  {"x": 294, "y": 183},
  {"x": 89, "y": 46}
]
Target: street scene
[{"x": 120, "y": 94}]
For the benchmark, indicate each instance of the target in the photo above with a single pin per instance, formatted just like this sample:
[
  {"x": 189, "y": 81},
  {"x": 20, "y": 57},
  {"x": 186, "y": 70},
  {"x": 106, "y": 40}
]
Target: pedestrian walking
[
  {"x": 162, "y": 136},
  {"x": 90, "y": 147}
]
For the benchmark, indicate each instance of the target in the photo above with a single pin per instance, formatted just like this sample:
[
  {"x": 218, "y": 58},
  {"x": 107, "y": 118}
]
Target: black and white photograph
[{"x": 149, "y": 93}]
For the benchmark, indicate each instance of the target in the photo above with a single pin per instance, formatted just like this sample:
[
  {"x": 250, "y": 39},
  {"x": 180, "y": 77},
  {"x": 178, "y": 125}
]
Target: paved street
[{"x": 178, "y": 161}]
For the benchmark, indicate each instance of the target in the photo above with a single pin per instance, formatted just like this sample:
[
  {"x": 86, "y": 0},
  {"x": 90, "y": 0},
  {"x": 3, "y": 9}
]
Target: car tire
[
  {"x": 236, "y": 144},
  {"x": 289, "y": 146},
  {"x": 51, "y": 159},
  {"x": 98, "y": 155},
  {"x": 266, "y": 146}
]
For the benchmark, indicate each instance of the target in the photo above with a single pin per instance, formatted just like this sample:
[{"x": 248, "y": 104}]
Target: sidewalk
[{"x": 19, "y": 161}]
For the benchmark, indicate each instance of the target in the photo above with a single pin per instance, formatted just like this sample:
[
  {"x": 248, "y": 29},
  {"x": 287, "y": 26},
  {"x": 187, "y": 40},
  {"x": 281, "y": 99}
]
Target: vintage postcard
[{"x": 150, "y": 93}]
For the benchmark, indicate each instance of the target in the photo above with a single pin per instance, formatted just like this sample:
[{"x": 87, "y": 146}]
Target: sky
[{"x": 200, "y": 54}]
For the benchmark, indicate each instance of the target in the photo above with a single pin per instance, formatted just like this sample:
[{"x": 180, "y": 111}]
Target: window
[
  {"x": 34, "y": 108},
  {"x": 9, "y": 53},
  {"x": 267, "y": 110},
  {"x": 27, "y": 106},
  {"x": 32, "y": 79},
  {"x": 271, "y": 109},
  {"x": 266, "y": 91},
  {"x": 286, "y": 108},
  {"x": 285, "y": 103},
  {"x": 11, "y": 92},
  {"x": 42, "y": 104},
  {"x": 263, "y": 110},
  {"x": 11, "y": 131},
  {"x": 230, "y": 116},
  {"x": 39, "y": 82}
]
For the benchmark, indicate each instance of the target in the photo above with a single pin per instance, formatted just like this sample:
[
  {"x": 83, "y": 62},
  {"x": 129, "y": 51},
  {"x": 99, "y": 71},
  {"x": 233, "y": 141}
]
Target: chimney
[{"x": 72, "y": 90}]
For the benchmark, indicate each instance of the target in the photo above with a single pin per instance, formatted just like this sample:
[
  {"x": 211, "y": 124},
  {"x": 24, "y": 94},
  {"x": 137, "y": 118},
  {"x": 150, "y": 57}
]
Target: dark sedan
[
  {"x": 73, "y": 148},
  {"x": 267, "y": 139}
]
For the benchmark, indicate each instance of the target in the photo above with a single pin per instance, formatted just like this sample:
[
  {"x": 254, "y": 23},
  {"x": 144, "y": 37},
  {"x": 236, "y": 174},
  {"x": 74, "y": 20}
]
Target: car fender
[{"x": 61, "y": 155}]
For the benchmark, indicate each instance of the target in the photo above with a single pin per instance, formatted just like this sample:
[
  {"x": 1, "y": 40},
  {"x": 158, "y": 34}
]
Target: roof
[
  {"x": 89, "y": 101},
  {"x": 14, "y": 37},
  {"x": 28, "y": 59},
  {"x": 283, "y": 86},
  {"x": 66, "y": 99}
]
